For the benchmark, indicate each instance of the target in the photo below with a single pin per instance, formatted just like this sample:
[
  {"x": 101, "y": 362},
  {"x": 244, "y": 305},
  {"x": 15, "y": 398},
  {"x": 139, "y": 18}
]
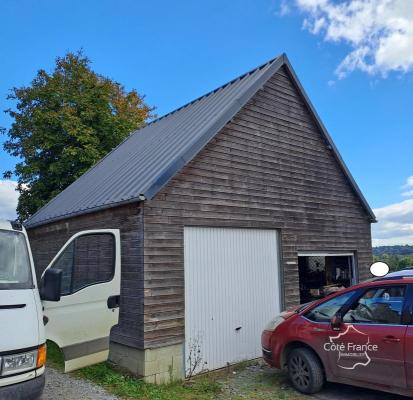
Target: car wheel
[{"x": 305, "y": 371}]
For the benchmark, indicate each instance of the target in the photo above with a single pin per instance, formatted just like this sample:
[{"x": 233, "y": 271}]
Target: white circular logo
[{"x": 379, "y": 269}]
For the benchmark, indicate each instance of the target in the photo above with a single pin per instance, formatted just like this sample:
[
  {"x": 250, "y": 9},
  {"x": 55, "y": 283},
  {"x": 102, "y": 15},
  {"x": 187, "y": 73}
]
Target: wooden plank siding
[
  {"x": 268, "y": 168},
  {"x": 47, "y": 240}
]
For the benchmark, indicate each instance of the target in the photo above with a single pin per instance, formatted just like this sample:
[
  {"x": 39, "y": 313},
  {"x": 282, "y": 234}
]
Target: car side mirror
[
  {"x": 50, "y": 287},
  {"x": 336, "y": 322}
]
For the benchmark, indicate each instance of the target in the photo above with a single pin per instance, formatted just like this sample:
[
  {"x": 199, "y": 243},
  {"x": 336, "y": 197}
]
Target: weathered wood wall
[
  {"x": 268, "y": 168},
  {"x": 47, "y": 240}
]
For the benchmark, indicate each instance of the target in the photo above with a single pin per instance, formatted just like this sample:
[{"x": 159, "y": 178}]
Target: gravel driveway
[
  {"x": 60, "y": 386},
  {"x": 344, "y": 392},
  {"x": 258, "y": 382}
]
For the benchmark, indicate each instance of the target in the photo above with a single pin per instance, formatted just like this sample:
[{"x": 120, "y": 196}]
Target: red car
[{"x": 360, "y": 336}]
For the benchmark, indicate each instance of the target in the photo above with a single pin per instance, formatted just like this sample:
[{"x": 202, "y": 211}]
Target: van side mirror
[
  {"x": 336, "y": 322},
  {"x": 50, "y": 287}
]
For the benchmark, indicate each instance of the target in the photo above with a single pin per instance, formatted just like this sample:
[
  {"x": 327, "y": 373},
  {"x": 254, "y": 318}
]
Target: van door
[{"x": 80, "y": 322}]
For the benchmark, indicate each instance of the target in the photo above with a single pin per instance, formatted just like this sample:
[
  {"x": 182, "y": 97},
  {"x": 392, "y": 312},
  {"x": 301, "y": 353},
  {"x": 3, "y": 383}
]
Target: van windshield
[{"x": 15, "y": 271}]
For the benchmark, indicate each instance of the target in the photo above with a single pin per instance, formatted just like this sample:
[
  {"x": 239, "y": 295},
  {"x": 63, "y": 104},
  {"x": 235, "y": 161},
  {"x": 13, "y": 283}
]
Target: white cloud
[
  {"x": 395, "y": 224},
  {"x": 8, "y": 199},
  {"x": 285, "y": 8},
  {"x": 409, "y": 183},
  {"x": 409, "y": 193},
  {"x": 379, "y": 32}
]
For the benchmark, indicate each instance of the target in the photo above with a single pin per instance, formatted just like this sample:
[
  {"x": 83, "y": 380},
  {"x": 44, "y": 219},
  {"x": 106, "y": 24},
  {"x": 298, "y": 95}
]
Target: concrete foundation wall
[{"x": 159, "y": 365}]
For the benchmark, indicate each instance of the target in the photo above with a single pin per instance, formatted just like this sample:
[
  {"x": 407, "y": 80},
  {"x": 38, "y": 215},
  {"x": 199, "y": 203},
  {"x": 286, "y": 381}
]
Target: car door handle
[
  {"x": 318, "y": 330},
  {"x": 113, "y": 301},
  {"x": 391, "y": 339}
]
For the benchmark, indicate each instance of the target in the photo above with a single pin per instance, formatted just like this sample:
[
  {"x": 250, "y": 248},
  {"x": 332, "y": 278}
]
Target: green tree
[
  {"x": 396, "y": 262},
  {"x": 63, "y": 123}
]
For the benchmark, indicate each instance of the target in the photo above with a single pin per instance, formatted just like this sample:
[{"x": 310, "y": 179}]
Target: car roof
[
  {"x": 406, "y": 273},
  {"x": 389, "y": 279}
]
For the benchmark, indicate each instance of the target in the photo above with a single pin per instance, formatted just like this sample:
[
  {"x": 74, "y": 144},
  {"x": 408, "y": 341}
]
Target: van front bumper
[{"x": 26, "y": 390}]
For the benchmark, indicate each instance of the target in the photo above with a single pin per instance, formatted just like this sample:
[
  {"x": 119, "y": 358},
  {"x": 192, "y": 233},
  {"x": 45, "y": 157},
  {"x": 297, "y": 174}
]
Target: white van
[{"x": 78, "y": 318}]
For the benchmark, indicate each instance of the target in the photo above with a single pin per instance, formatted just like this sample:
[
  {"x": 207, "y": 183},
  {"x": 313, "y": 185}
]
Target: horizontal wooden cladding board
[
  {"x": 269, "y": 168},
  {"x": 245, "y": 220},
  {"x": 163, "y": 316},
  {"x": 266, "y": 138},
  {"x": 313, "y": 222},
  {"x": 286, "y": 135},
  {"x": 275, "y": 171},
  {"x": 305, "y": 190},
  {"x": 177, "y": 322},
  {"x": 325, "y": 229},
  {"x": 243, "y": 198},
  {"x": 165, "y": 306}
]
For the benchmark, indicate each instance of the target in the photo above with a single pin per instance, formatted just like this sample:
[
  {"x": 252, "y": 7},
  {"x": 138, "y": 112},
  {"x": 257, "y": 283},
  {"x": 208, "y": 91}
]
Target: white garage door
[{"x": 232, "y": 290}]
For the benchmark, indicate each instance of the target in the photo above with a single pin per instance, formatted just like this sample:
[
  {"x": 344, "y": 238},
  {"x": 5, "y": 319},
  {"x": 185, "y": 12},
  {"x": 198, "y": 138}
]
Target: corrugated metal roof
[{"x": 143, "y": 163}]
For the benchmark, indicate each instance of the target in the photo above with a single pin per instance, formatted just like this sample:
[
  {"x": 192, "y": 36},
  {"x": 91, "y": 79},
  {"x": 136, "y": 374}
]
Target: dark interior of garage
[{"x": 321, "y": 275}]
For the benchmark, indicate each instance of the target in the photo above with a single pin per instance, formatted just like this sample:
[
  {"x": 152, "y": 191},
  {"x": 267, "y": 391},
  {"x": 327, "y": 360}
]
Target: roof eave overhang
[{"x": 91, "y": 210}]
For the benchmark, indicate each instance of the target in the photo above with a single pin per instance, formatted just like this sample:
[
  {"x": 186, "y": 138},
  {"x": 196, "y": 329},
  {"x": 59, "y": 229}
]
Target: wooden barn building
[{"x": 231, "y": 208}]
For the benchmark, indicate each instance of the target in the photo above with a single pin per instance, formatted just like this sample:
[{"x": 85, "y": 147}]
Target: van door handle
[
  {"x": 113, "y": 301},
  {"x": 391, "y": 339}
]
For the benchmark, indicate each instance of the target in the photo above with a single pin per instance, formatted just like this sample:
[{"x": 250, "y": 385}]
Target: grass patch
[
  {"x": 55, "y": 357},
  {"x": 130, "y": 387},
  {"x": 239, "y": 382},
  {"x": 126, "y": 386}
]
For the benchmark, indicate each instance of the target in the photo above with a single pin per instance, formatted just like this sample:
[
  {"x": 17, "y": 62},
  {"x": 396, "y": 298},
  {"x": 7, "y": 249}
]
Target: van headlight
[{"x": 16, "y": 363}]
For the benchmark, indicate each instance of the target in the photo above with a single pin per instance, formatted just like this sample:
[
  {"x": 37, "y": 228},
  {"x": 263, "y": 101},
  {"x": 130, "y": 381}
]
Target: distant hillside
[
  {"x": 397, "y": 257},
  {"x": 405, "y": 250}
]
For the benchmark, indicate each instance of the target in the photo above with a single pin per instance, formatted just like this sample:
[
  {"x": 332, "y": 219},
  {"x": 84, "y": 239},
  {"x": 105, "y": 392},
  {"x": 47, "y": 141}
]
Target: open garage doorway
[{"x": 323, "y": 273}]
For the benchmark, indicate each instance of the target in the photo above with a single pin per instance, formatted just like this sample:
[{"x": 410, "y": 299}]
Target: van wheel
[{"x": 305, "y": 371}]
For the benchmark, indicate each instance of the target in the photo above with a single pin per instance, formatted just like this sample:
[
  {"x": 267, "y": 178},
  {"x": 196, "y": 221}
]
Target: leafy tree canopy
[
  {"x": 396, "y": 257},
  {"x": 63, "y": 123}
]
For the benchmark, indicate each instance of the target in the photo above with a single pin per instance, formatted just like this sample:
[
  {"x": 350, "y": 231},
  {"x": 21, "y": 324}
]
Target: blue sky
[{"x": 175, "y": 51}]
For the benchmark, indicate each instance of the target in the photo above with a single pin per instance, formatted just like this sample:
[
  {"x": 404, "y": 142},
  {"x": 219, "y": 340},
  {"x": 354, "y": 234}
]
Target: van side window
[
  {"x": 382, "y": 305},
  {"x": 88, "y": 260},
  {"x": 325, "y": 311},
  {"x": 65, "y": 263}
]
